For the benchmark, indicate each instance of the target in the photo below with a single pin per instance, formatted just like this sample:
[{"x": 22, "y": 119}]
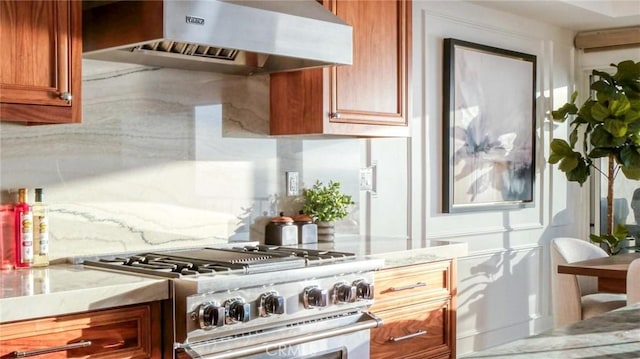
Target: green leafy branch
[
  {"x": 610, "y": 128},
  {"x": 326, "y": 203}
]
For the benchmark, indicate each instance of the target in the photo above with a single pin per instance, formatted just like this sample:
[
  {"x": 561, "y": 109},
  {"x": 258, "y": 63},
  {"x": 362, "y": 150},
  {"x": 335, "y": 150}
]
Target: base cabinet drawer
[
  {"x": 417, "y": 304},
  {"x": 127, "y": 332},
  {"x": 411, "y": 284},
  {"x": 417, "y": 331}
]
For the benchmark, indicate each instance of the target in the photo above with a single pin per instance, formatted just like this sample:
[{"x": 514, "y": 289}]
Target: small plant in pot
[
  {"x": 608, "y": 125},
  {"x": 326, "y": 204}
]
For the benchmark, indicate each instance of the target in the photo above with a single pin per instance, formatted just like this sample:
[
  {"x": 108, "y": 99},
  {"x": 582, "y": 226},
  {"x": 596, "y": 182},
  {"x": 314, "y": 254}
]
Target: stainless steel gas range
[{"x": 260, "y": 301}]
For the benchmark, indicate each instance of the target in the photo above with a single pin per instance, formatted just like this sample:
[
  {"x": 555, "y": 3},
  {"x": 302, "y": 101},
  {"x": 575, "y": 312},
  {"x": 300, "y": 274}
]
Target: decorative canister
[
  {"x": 307, "y": 230},
  {"x": 281, "y": 232}
]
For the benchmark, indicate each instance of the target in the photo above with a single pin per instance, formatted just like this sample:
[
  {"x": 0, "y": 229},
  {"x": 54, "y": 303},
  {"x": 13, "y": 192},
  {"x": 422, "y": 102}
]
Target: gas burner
[
  {"x": 157, "y": 264},
  {"x": 204, "y": 261},
  {"x": 313, "y": 256},
  {"x": 208, "y": 261}
]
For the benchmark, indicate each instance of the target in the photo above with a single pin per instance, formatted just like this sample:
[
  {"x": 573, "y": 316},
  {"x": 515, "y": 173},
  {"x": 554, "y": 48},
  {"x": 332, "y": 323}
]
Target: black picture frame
[{"x": 489, "y": 127}]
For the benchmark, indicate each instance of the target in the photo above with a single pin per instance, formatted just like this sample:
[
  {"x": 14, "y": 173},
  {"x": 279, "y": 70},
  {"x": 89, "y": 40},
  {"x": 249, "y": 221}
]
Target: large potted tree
[{"x": 605, "y": 132}]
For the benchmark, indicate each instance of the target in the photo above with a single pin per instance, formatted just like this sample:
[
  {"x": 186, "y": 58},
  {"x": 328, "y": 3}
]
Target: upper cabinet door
[
  {"x": 373, "y": 89},
  {"x": 369, "y": 98},
  {"x": 40, "y": 61}
]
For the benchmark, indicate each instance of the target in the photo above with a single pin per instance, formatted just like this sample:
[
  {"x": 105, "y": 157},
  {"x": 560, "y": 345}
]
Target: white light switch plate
[
  {"x": 292, "y": 184},
  {"x": 366, "y": 179}
]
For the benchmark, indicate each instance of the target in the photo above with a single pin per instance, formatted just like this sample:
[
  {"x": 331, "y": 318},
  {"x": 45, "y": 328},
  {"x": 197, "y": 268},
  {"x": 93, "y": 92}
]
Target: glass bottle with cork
[
  {"x": 23, "y": 231},
  {"x": 40, "y": 230}
]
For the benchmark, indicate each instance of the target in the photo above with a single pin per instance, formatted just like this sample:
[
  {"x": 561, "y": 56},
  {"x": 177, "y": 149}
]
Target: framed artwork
[{"x": 489, "y": 127}]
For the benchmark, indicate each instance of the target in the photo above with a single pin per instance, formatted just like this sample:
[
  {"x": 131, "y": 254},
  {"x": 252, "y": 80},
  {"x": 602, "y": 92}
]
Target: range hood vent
[
  {"x": 240, "y": 37},
  {"x": 189, "y": 49}
]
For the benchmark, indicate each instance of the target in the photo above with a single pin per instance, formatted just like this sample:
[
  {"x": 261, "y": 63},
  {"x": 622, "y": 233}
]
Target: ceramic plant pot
[{"x": 326, "y": 232}]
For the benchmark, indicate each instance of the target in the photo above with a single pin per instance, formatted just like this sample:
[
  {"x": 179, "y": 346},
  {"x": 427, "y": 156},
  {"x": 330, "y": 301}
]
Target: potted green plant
[
  {"x": 608, "y": 125},
  {"x": 326, "y": 204}
]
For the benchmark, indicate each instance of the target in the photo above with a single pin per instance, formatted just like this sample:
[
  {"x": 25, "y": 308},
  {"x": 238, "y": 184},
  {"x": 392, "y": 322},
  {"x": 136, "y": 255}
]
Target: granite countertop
[
  {"x": 59, "y": 289},
  {"x": 71, "y": 287},
  {"x": 615, "y": 334}
]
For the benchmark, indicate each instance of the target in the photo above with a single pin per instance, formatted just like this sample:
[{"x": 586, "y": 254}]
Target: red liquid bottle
[{"x": 23, "y": 231}]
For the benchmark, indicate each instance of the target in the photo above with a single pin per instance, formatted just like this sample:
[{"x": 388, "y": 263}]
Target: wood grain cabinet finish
[
  {"x": 369, "y": 98},
  {"x": 417, "y": 305},
  {"x": 40, "y": 61},
  {"x": 126, "y": 332}
]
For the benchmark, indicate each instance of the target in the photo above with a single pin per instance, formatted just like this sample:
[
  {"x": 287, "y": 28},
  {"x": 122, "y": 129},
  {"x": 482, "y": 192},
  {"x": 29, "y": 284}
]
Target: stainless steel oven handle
[
  {"x": 371, "y": 322},
  {"x": 61, "y": 348}
]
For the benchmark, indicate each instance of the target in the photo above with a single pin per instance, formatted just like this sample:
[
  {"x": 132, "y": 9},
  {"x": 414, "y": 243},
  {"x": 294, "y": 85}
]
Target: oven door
[{"x": 341, "y": 336}]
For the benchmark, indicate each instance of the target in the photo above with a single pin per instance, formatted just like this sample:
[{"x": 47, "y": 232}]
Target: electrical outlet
[{"x": 292, "y": 184}]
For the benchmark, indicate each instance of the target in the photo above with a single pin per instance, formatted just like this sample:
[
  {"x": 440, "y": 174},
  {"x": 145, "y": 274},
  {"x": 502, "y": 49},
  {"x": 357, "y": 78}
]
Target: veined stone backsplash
[{"x": 163, "y": 159}]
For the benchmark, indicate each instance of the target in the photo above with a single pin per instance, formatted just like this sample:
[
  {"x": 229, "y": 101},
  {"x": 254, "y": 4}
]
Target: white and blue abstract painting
[{"x": 489, "y": 127}]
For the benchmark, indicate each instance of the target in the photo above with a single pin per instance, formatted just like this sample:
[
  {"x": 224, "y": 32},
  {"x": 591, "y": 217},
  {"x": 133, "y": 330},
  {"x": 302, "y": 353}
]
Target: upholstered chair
[
  {"x": 633, "y": 282},
  {"x": 575, "y": 298}
]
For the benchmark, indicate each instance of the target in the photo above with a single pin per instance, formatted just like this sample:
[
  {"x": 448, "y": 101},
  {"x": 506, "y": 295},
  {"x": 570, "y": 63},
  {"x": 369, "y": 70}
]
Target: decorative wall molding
[
  {"x": 491, "y": 252},
  {"x": 473, "y": 22},
  {"x": 480, "y": 281},
  {"x": 474, "y": 232},
  {"x": 471, "y": 341}
]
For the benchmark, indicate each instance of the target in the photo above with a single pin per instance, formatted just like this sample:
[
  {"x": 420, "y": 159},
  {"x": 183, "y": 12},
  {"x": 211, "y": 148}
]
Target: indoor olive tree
[{"x": 607, "y": 127}]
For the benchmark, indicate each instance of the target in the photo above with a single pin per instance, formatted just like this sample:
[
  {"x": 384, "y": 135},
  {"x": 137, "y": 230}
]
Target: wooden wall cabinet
[
  {"x": 126, "y": 332},
  {"x": 40, "y": 61},
  {"x": 369, "y": 98},
  {"x": 417, "y": 304}
]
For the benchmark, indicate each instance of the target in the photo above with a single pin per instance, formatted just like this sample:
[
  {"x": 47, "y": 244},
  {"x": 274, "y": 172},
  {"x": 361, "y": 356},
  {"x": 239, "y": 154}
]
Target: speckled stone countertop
[
  {"x": 70, "y": 288},
  {"x": 64, "y": 288},
  {"x": 615, "y": 334}
]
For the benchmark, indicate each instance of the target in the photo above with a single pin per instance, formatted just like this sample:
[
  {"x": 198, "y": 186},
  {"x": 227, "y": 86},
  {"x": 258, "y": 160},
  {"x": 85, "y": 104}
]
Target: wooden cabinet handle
[
  {"x": 410, "y": 286},
  {"x": 408, "y": 336},
  {"x": 31, "y": 353}
]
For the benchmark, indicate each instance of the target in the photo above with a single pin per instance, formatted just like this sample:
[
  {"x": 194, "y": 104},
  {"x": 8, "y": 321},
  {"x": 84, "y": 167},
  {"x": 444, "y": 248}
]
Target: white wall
[
  {"x": 503, "y": 286},
  {"x": 166, "y": 158}
]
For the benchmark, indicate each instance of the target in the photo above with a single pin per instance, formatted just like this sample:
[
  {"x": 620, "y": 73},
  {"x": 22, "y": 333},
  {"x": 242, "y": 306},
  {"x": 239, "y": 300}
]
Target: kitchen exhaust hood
[{"x": 241, "y": 37}]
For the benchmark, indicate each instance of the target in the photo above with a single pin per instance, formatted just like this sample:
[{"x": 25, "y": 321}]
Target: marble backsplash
[{"x": 163, "y": 159}]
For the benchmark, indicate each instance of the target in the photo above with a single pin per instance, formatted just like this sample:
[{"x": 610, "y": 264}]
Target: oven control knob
[
  {"x": 271, "y": 303},
  {"x": 210, "y": 315},
  {"x": 237, "y": 310},
  {"x": 364, "y": 289},
  {"x": 315, "y": 297},
  {"x": 344, "y": 293}
]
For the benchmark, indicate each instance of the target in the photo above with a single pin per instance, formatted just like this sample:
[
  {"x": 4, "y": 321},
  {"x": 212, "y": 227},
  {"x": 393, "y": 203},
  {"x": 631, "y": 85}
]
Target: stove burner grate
[
  {"x": 208, "y": 261},
  {"x": 311, "y": 255}
]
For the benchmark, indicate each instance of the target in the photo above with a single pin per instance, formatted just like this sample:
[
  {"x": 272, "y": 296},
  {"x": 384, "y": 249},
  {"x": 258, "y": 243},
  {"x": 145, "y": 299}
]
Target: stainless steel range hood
[{"x": 228, "y": 36}]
